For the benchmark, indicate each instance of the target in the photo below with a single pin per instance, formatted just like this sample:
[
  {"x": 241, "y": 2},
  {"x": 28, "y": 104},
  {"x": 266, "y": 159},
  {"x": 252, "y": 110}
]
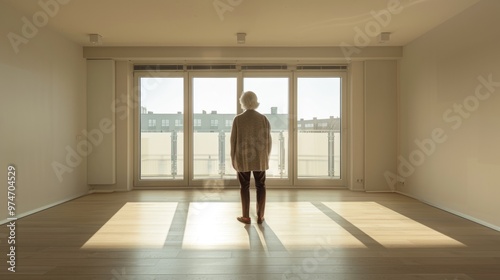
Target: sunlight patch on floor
[
  {"x": 294, "y": 225},
  {"x": 213, "y": 225},
  {"x": 389, "y": 228},
  {"x": 135, "y": 225},
  {"x": 301, "y": 225}
]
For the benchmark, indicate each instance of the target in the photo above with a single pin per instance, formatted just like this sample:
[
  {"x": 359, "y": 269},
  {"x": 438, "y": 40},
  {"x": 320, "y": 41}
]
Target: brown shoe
[
  {"x": 260, "y": 220},
  {"x": 244, "y": 220}
]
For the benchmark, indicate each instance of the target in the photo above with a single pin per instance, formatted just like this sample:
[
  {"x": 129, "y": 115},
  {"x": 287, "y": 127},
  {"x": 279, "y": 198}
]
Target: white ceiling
[{"x": 266, "y": 22}]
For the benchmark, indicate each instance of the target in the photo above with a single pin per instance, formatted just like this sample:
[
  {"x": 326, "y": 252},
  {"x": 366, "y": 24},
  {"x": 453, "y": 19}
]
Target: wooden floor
[{"x": 307, "y": 234}]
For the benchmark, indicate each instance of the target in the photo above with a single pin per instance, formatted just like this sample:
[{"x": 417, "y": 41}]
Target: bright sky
[{"x": 317, "y": 97}]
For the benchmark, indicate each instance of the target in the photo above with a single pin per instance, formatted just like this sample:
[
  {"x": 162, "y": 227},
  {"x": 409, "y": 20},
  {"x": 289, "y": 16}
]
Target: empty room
[{"x": 250, "y": 139}]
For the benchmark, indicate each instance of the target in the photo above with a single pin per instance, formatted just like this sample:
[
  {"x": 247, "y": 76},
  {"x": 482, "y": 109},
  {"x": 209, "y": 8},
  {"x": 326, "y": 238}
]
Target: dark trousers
[{"x": 260, "y": 185}]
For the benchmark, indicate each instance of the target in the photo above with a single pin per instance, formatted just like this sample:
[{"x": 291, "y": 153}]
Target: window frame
[
  {"x": 157, "y": 183},
  {"x": 278, "y": 182},
  {"x": 332, "y": 182},
  {"x": 188, "y": 121}
]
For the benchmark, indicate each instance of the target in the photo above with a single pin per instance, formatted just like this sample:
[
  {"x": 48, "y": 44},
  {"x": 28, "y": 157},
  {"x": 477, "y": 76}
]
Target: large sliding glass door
[
  {"x": 161, "y": 126},
  {"x": 273, "y": 91},
  {"x": 320, "y": 143},
  {"x": 214, "y": 100},
  {"x": 185, "y": 119}
]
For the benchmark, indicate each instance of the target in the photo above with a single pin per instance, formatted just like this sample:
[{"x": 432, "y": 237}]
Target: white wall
[
  {"x": 101, "y": 125},
  {"x": 356, "y": 129},
  {"x": 42, "y": 110},
  {"x": 457, "y": 166},
  {"x": 122, "y": 106},
  {"x": 380, "y": 123}
]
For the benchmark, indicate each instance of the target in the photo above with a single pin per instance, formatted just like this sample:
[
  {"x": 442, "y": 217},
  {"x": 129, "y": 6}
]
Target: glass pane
[
  {"x": 214, "y": 108},
  {"x": 318, "y": 121},
  {"x": 162, "y": 124},
  {"x": 273, "y": 98}
]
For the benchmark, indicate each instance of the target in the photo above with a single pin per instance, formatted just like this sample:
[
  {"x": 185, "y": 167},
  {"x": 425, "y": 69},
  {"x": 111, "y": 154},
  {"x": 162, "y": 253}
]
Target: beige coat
[{"x": 250, "y": 142}]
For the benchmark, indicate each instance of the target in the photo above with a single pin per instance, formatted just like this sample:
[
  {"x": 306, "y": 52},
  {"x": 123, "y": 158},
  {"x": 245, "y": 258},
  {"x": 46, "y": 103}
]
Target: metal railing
[{"x": 219, "y": 164}]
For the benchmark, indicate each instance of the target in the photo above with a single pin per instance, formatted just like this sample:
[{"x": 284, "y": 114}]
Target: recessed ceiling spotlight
[
  {"x": 240, "y": 38},
  {"x": 95, "y": 39},
  {"x": 384, "y": 37}
]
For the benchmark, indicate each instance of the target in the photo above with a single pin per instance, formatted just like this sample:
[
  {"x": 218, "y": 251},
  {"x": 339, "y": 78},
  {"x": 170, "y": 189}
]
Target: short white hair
[{"x": 248, "y": 100}]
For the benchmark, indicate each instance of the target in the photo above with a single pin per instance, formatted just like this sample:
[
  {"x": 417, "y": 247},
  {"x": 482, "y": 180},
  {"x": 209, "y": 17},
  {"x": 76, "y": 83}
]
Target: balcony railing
[{"x": 215, "y": 162}]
